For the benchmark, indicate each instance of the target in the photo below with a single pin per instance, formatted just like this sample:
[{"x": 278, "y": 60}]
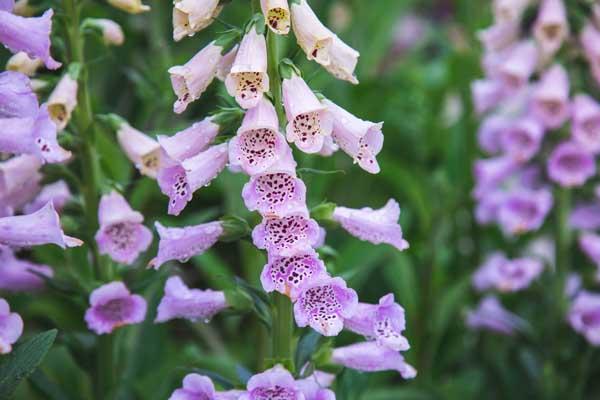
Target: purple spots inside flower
[
  {"x": 274, "y": 393},
  {"x": 290, "y": 273},
  {"x": 274, "y": 190},
  {"x": 116, "y": 310},
  {"x": 257, "y": 147},
  {"x": 279, "y": 19},
  {"x": 307, "y": 127},
  {"x": 286, "y": 233},
  {"x": 384, "y": 329},
  {"x": 43, "y": 145},
  {"x": 249, "y": 85},
  {"x": 122, "y": 235},
  {"x": 572, "y": 162},
  {"x": 180, "y": 188},
  {"x": 320, "y": 303},
  {"x": 591, "y": 127}
]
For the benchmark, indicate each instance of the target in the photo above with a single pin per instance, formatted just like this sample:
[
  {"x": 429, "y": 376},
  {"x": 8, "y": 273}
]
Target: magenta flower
[
  {"x": 248, "y": 78},
  {"x": 309, "y": 121},
  {"x": 506, "y": 275},
  {"x": 274, "y": 383},
  {"x": 523, "y": 210},
  {"x": 31, "y": 35},
  {"x": 289, "y": 275},
  {"x": 277, "y": 15},
  {"x": 383, "y": 322},
  {"x": 183, "y": 243},
  {"x": 20, "y": 275},
  {"x": 58, "y": 193},
  {"x": 375, "y": 226},
  {"x": 570, "y": 165},
  {"x": 586, "y": 122},
  {"x": 11, "y": 327},
  {"x": 19, "y": 182},
  {"x": 140, "y": 149},
  {"x": 312, "y": 36},
  {"x": 314, "y": 387},
  {"x": 550, "y": 97},
  {"x": 584, "y": 316},
  {"x": 490, "y": 315},
  {"x": 113, "y": 306},
  {"x": 180, "y": 301},
  {"x": 191, "y": 16},
  {"x": 370, "y": 357},
  {"x": 324, "y": 304},
  {"x": 293, "y": 234},
  {"x": 190, "y": 141},
  {"x": 40, "y": 227},
  {"x": 551, "y": 27},
  {"x": 258, "y": 143},
  {"x": 522, "y": 139},
  {"x": 121, "y": 235},
  {"x": 518, "y": 66},
  {"x": 486, "y": 93},
  {"x": 180, "y": 181},
  {"x": 361, "y": 140},
  {"x": 17, "y": 99},
  {"x": 200, "y": 387}
]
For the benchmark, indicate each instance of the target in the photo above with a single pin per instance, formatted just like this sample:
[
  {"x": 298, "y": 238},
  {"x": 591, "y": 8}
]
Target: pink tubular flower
[
  {"x": 142, "y": 151},
  {"x": 293, "y": 234},
  {"x": 200, "y": 387},
  {"x": 112, "y": 33},
  {"x": 585, "y": 216},
  {"x": 30, "y": 35},
  {"x": 312, "y": 36},
  {"x": 314, "y": 387},
  {"x": 191, "y": 16},
  {"x": 58, "y": 193},
  {"x": 516, "y": 69},
  {"x": 490, "y": 315},
  {"x": 590, "y": 41},
  {"x": 486, "y": 93},
  {"x": 130, "y": 6},
  {"x": 180, "y": 301},
  {"x": 375, "y": 226},
  {"x": 361, "y": 140},
  {"x": 183, "y": 243},
  {"x": 490, "y": 172},
  {"x": 181, "y": 180},
  {"x": 113, "y": 306},
  {"x": 584, "y": 316},
  {"x": 499, "y": 36},
  {"x": 370, "y": 357},
  {"x": 523, "y": 210},
  {"x": 586, "y": 122},
  {"x": 274, "y": 383},
  {"x": 11, "y": 327},
  {"x": 190, "y": 141},
  {"x": 550, "y": 99},
  {"x": 309, "y": 121},
  {"x": 522, "y": 139},
  {"x": 551, "y": 27},
  {"x": 226, "y": 63},
  {"x": 62, "y": 101},
  {"x": 509, "y": 10},
  {"x": 491, "y": 130},
  {"x": 19, "y": 182},
  {"x": 383, "y": 322},
  {"x": 277, "y": 15},
  {"x": 17, "y": 98},
  {"x": 589, "y": 243},
  {"x": 488, "y": 204},
  {"x": 570, "y": 165},
  {"x": 506, "y": 275},
  {"x": 121, "y": 235},
  {"x": 248, "y": 79},
  {"x": 258, "y": 144},
  {"x": 41, "y": 227},
  {"x": 324, "y": 304},
  {"x": 289, "y": 275},
  {"x": 343, "y": 60},
  {"x": 18, "y": 275}
]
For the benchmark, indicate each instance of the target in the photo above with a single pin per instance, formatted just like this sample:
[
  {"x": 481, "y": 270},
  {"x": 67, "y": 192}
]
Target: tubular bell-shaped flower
[
  {"x": 113, "y": 306},
  {"x": 11, "y": 327},
  {"x": 523, "y": 210},
  {"x": 130, "y": 6},
  {"x": 584, "y": 316},
  {"x": 190, "y": 141},
  {"x": 499, "y": 36},
  {"x": 180, "y": 301},
  {"x": 486, "y": 93},
  {"x": 58, "y": 193},
  {"x": 309, "y": 121},
  {"x": 200, "y": 387},
  {"x": 289, "y": 275},
  {"x": 550, "y": 98},
  {"x": 324, "y": 304},
  {"x": 17, "y": 98},
  {"x": 62, "y": 101},
  {"x": 342, "y": 61},
  {"x": 361, "y": 140},
  {"x": 383, "y": 322},
  {"x": 41, "y": 227},
  {"x": 19, "y": 182},
  {"x": 490, "y": 172},
  {"x": 18, "y": 275},
  {"x": 183, "y": 243},
  {"x": 111, "y": 32},
  {"x": 590, "y": 245},
  {"x": 191, "y": 16},
  {"x": 286, "y": 236},
  {"x": 226, "y": 63},
  {"x": 551, "y": 27},
  {"x": 277, "y": 15},
  {"x": 570, "y": 165},
  {"x": 506, "y": 275},
  {"x": 312, "y": 36},
  {"x": 248, "y": 79},
  {"x": 30, "y": 35},
  {"x": 314, "y": 387},
  {"x": 370, "y": 357},
  {"x": 21, "y": 62},
  {"x": 490, "y": 315},
  {"x": 586, "y": 122},
  {"x": 143, "y": 151},
  {"x": 375, "y": 226},
  {"x": 274, "y": 383},
  {"x": 121, "y": 235},
  {"x": 519, "y": 65}
]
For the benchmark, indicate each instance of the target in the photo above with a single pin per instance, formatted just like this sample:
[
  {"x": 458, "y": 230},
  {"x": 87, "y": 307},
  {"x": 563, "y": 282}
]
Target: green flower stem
[
  {"x": 274, "y": 77},
  {"x": 563, "y": 243}
]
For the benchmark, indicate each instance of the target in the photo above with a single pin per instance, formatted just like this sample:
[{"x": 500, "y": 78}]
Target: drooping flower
[
  {"x": 180, "y": 180},
  {"x": 585, "y": 127},
  {"x": 585, "y": 216},
  {"x": 309, "y": 121},
  {"x": 362, "y": 140},
  {"x": 30, "y": 35},
  {"x": 590, "y": 244},
  {"x": 570, "y": 165},
  {"x": 293, "y": 234},
  {"x": 143, "y": 151},
  {"x": 38, "y": 228},
  {"x": 62, "y": 101},
  {"x": 248, "y": 79},
  {"x": 191, "y": 16},
  {"x": 130, "y": 6},
  {"x": 488, "y": 204},
  {"x": 551, "y": 27},
  {"x": 499, "y": 36},
  {"x": 274, "y": 383},
  {"x": 183, "y": 243},
  {"x": 490, "y": 132},
  {"x": 329, "y": 147},
  {"x": 21, "y": 62},
  {"x": 383, "y": 322},
  {"x": 343, "y": 60},
  {"x": 289, "y": 275},
  {"x": 19, "y": 182},
  {"x": 226, "y": 63},
  {"x": 121, "y": 234},
  {"x": 17, "y": 98},
  {"x": 490, "y": 172},
  {"x": 112, "y": 33},
  {"x": 375, "y": 226},
  {"x": 490, "y": 315},
  {"x": 57, "y": 192},
  {"x": 523, "y": 210},
  {"x": 18, "y": 275},
  {"x": 11, "y": 327},
  {"x": 486, "y": 93},
  {"x": 370, "y": 357},
  {"x": 200, "y": 387},
  {"x": 277, "y": 15},
  {"x": 312, "y": 36},
  {"x": 113, "y": 306},
  {"x": 519, "y": 65},
  {"x": 315, "y": 386},
  {"x": 190, "y": 141},
  {"x": 522, "y": 139},
  {"x": 584, "y": 316},
  {"x": 506, "y": 275},
  {"x": 550, "y": 97},
  {"x": 572, "y": 285},
  {"x": 509, "y": 10},
  {"x": 180, "y": 301},
  {"x": 324, "y": 304}
]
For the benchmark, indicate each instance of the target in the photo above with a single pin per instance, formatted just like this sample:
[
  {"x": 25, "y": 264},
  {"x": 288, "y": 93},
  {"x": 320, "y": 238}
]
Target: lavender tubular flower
[
  {"x": 584, "y": 316},
  {"x": 524, "y": 210},
  {"x": 274, "y": 383},
  {"x": 286, "y": 236},
  {"x": 370, "y": 357},
  {"x": 522, "y": 139},
  {"x": 506, "y": 275},
  {"x": 585, "y": 216},
  {"x": 289, "y": 275},
  {"x": 314, "y": 387},
  {"x": 570, "y": 165},
  {"x": 18, "y": 275},
  {"x": 140, "y": 149},
  {"x": 490, "y": 315},
  {"x": 7, "y": 5},
  {"x": 191, "y": 16},
  {"x": 585, "y": 127},
  {"x": 58, "y": 193},
  {"x": 200, "y": 387},
  {"x": 11, "y": 327},
  {"x": 19, "y": 182},
  {"x": 17, "y": 98},
  {"x": 487, "y": 93},
  {"x": 509, "y": 10},
  {"x": 190, "y": 141},
  {"x": 551, "y": 27},
  {"x": 550, "y": 102},
  {"x": 343, "y": 61},
  {"x": 516, "y": 69}
]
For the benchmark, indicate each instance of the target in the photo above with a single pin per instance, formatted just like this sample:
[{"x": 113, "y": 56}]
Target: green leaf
[
  {"x": 24, "y": 359},
  {"x": 307, "y": 346}
]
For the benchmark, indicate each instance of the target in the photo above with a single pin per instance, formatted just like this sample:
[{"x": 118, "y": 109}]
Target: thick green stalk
[
  {"x": 563, "y": 244},
  {"x": 274, "y": 77}
]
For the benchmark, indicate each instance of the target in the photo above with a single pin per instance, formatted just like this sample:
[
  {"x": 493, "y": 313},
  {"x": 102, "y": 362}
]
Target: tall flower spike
[
  {"x": 383, "y": 322},
  {"x": 551, "y": 27},
  {"x": 182, "y": 243},
  {"x": 121, "y": 234},
  {"x": 191, "y": 16},
  {"x": 289, "y": 275},
  {"x": 342, "y": 61},
  {"x": 274, "y": 383},
  {"x": 130, "y": 6},
  {"x": 517, "y": 68},
  {"x": 361, "y": 140},
  {"x": 58, "y": 193},
  {"x": 190, "y": 141},
  {"x": 180, "y": 301},
  {"x": 11, "y": 327},
  {"x": 41, "y": 227},
  {"x": 17, "y": 98},
  {"x": 181, "y": 180},
  {"x": 113, "y": 306},
  {"x": 30, "y": 35},
  {"x": 570, "y": 165},
  {"x": 324, "y": 304},
  {"x": 286, "y": 236},
  {"x": 584, "y": 316},
  {"x": 18, "y": 275},
  {"x": 586, "y": 122},
  {"x": 142, "y": 151},
  {"x": 309, "y": 121},
  {"x": 248, "y": 79},
  {"x": 523, "y": 210},
  {"x": 314, "y": 387},
  {"x": 277, "y": 15},
  {"x": 490, "y": 315},
  {"x": 375, "y": 226},
  {"x": 550, "y": 98},
  {"x": 312, "y": 36},
  {"x": 21, "y": 62},
  {"x": 258, "y": 143},
  {"x": 200, "y": 387},
  {"x": 62, "y": 101},
  {"x": 19, "y": 182},
  {"x": 370, "y": 357}
]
